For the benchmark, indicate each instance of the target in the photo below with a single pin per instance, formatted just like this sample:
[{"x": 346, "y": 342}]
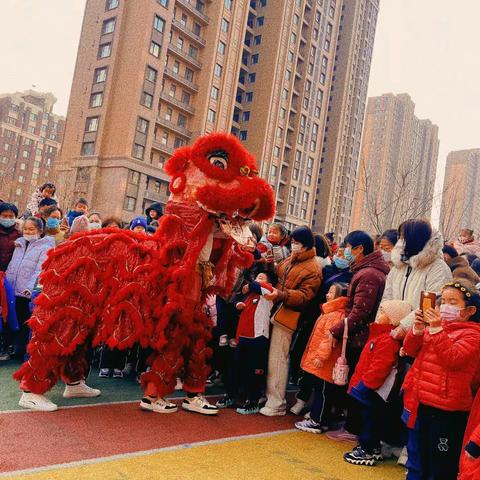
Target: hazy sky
[{"x": 427, "y": 48}]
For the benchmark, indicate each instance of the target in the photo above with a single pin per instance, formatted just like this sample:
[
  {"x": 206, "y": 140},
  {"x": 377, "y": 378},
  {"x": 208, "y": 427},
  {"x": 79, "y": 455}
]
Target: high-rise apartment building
[
  {"x": 461, "y": 193},
  {"x": 154, "y": 75},
  {"x": 398, "y": 163},
  {"x": 30, "y": 137},
  {"x": 346, "y": 111}
]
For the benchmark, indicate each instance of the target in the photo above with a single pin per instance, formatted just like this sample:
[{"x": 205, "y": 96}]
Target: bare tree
[
  {"x": 7, "y": 175},
  {"x": 451, "y": 214},
  {"x": 397, "y": 195}
]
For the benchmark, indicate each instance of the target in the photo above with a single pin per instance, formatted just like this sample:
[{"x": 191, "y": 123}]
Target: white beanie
[{"x": 395, "y": 310}]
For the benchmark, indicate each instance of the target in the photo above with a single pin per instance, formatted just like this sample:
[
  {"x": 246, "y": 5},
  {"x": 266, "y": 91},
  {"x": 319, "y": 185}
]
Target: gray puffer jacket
[
  {"x": 26, "y": 264},
  {"x": 425, "y": 271}
]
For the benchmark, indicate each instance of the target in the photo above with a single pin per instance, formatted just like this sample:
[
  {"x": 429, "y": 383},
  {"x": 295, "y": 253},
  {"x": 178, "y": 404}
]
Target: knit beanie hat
[
  {"x": 80, "y": 224},
  {"x": 47, "y": 202},
  {"x": 305, "y": 236},
  {"x": 395, "y": 310},
  {"x": 139, "y": 221},
  {"x": 5, "y": 206}
]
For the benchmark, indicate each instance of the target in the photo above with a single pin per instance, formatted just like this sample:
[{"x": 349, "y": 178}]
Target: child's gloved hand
[{"x": 240, "y": 306}]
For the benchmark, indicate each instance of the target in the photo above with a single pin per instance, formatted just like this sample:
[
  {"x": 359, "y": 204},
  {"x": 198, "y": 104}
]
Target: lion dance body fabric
[{"x": 119, "y": 288}]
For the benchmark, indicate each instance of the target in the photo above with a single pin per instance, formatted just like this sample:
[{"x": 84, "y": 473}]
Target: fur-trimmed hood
[{"x": 431, "y": 252}]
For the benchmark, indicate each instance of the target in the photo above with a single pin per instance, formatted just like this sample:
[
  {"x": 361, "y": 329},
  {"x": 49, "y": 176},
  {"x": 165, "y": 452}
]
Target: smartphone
[{"x": 427, "y": 300}]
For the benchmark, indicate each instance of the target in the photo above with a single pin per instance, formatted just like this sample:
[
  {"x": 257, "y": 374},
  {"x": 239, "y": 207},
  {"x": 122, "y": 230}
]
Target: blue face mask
[
  {"x": 7, "y": 222},
  {"x": 347, "y": 253},
  {"x": 53, "y": 223},
  {"x": 341, "y": 263}
]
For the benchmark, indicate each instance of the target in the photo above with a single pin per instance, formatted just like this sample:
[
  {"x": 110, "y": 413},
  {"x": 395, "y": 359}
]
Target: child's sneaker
[
  {"x": 160, "y": 405},
  {"x": 4, "y": 356},
  {"x": 377, "y": 455},
  {"x": 358, "y": 457},
  {"x": 249, "y": 408},
  {"x": 199, "y": 404},
  {"x": 311, "y": 426},
  {"x": 270, "y": 412},
  {"x": 33, "y": 401},
  {"x": 104, "y": 373},
  {"x": 117, "y": 373},
  {"x": 298, "y": 408},
  {"x": 80, "y": 390},
  {"x": 225, "y": 402}
]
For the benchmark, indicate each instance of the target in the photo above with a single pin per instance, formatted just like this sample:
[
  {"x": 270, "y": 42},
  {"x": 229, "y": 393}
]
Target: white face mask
[
  {"x": 95, "y": 225},
  {"x": 296, "y": 247},
  {"x": 31, "y": 238},
  {"x": 387, "y": 256}
]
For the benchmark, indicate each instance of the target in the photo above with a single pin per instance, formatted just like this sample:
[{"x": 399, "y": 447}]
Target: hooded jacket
[
  {"x": 364, "y": 295},
  {"x": 426, "y": 271},
  {"x": 320, "y": 344},
  {"x": 445, "y": 367},
  {"x": 470, "y": 468},
  {"x": 26, "y": 264},
  {"x": 7, "y": 245}
]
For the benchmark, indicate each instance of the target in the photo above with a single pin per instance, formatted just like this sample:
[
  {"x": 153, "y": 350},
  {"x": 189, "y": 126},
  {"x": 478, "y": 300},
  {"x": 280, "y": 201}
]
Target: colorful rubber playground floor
[{"x": 111, "y": 438}]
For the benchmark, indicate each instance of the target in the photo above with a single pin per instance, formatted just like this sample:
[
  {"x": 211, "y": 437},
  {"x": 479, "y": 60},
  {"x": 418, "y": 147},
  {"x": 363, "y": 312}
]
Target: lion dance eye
[{"x": 219, "y": 159}]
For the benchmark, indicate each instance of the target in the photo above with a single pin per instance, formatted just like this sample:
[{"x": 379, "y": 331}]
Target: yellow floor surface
[{"x": 288, "y": 456}]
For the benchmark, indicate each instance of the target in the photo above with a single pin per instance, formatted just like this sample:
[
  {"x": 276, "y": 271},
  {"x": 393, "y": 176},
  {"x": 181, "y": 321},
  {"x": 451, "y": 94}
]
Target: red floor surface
[{"x": 38, "y": 439}]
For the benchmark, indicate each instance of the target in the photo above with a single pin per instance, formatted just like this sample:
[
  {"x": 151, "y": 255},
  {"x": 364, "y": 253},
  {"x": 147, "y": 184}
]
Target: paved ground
[{"x": 113, "y": 439}]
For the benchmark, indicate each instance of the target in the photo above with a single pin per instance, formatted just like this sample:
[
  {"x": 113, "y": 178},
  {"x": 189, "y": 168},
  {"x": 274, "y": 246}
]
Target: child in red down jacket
[
  {"x": 470, "y": 461},
  {"x": 373, "y": 380},
  {"x": 319, "y": 359},
  {"x": 446, "y": 345}
]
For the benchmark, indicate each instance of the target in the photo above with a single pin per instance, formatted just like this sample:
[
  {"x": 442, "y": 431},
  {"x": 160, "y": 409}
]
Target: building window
[
  {"x": 18, "y": 191},
  {"x": 243, "y": 135},
  {"x": 326, "y": 45},
  {"x": 173, "y": 90},
  {"x": 146, "y": 100},
  {"x": 279, "y": 132},
  {"x": 88, "y": 148},
  {"x": 168, "y": 114},
  {"x": 257, "y": 40},
  {"x": 91, "y": 125},
  {"x": 285, "y": 94},
  {"x": 329, "y": 28},
  {"x": 159, "y": 24},
  {"x": 138, "y": 151},
  {"x": 252, "y": 77},
  {"x": 164, "y": 139},
  {"x": 288, "y": 75},
  {"x": 111, "y": 4},
  {"x": 293, "y": 39},
  {"x": 211, "y": 115},
  {"x": 25, "y": 154},
  {"x": 96, "y": 100},
  {"x": 108, "y": 26},
  {"x": 308, "y": 179},
  {"x": 186, "y": 97},
  {"x": 249, "y": 96},
  {"x": 303, "y": 213},
  {"x": 182, "y": 120},
  {"x": 224, "y": 25},
  {"x": 228, "y": 4},
  {"x": 183, "y": 20},
  {"x": 245, "y": 116},
  {"x": 151, "y": 75},
  {"x": 283, "y": 113},
  {"x": 31, "y": 129},
  {"x": 142, "y": 125},
  {"x": 176, "y": 67},
  {"x": 290, "y": 56},
  {"x": 28, "y": 141},
  {"x": 255, "y": 58},
  {"x": 33, "y": 117},
  {"x": 180, "y": 43},
  {"x": 129, "y": 203},
  {"x": 193, "y": 51},
  {"x": 260, "y": 21},
  {"x": 163, "y": 3},
  {"x": 189, "y": 74},
  {"x": 221, "y": 48},
  {"x": 276, "y": 152},
  {"x": 214, "y": 93},
  {"x": 21, "y": 179},
  {"x": 100, "y": 75},
  {"x": 218, "y": 70},
  {"x": 155, "y": 49},
  {"x": 104, "y": 50},
  {"x": 178, "y": 142}
]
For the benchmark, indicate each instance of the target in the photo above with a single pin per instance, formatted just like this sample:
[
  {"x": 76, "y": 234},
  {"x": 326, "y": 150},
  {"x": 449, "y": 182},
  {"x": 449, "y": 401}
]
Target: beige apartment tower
[
  {"x": 461, "y": 193},
  {"x": 346, "y": 111},
  {"x": 30, "y": 138},
  {"x": 154, "y": 75},
  {"x": 398, "y": 163}
]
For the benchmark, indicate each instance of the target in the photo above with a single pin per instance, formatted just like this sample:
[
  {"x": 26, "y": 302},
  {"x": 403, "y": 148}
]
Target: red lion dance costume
[{"x": 118, "y": 288}]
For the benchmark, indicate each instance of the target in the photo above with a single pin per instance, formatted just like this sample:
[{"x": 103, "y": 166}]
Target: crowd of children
[{"x": 374, "y": 365}]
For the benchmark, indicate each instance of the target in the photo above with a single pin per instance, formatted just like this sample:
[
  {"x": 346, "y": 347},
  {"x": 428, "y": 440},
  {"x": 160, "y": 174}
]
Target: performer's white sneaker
[
  {"x": 80, "y": 390},
  {"x": 160, "y": 405},
  {"x": 199, "y": 404},
  {"x": 33, "y": 401}
]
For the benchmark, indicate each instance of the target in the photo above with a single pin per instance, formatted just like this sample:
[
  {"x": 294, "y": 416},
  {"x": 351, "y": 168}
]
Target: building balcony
[
  {"x": 177, "y": 103},
  {"x": 162, "y": 148},
  {"x": 174, "y": 127},
  {"x": 188, "y": 33},
  {"x": 194, "y": 11},
  {"x": 177, "y": 77},
  {"x": 184, "y": 56}
]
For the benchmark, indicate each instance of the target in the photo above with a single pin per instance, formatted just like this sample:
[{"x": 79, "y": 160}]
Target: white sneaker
[
  {"x": 160, "y": 405},
  {"x": 298, "y": 408},
  {"x": 199, "y": 404},
  {"x": 269, "y": 412},
  {"x": 80, "y": 390},
  {"x": 33, "y": 401}
]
